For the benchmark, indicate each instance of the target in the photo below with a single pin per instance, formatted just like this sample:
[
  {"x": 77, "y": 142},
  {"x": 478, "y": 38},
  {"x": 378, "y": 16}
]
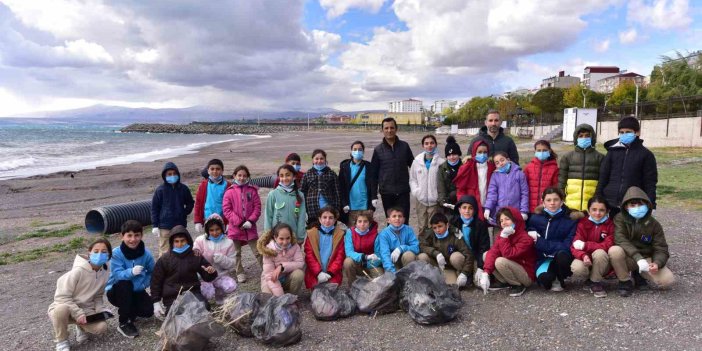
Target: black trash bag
[
  {"x": 188, "y": 325},
  {"x": 425, "y": 295},
  {"x": 379, "y": 295},
  {"x": 277, "y": 323},
  {"x": 331, "y": 303},
  {"x": 239, "y": 311}
]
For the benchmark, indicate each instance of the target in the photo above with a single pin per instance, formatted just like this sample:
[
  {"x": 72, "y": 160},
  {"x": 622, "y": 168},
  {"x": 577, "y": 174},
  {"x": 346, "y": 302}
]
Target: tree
[
  {"x": 549, "y": 100},
  {"x": 573, "y": 97},
  {"x": 475, "y": 109},
  {"x": 625, "y": 93}
]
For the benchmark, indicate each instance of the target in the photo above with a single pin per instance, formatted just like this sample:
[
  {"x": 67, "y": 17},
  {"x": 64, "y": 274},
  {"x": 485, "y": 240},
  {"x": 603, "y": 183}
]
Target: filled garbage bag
[
  {"x": 277, "y": 323},
  {"x": 188, "y": 325},
  {"x": 425, "y": 295},
  {"x": 379, "y": 295},
  {"x": 331, "y": 303},
  {"x": 239, "y": 311}
]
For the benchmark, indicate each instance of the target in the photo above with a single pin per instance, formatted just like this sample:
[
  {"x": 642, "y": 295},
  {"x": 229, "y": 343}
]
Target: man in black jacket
[
  {"x": 391, "y": 161},
  {"x": 495, "y": 137}
]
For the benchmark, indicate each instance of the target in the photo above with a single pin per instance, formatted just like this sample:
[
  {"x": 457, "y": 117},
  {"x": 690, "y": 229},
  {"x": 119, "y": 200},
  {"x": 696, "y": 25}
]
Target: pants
[
  {"x": 511, "y": 272},
  {"x": 219, "y": 288},
  {"x": 292, "y": 284},
  {"x": 558, "y": 269},
  {"x": 600, "y": 267},
  {"x": 424, "y": 214},
  {"x": 60, "y": 317},
  {"x": 237, "y": 251},
  {"x": 405, "y": 259},
  {"x": 456, "y": 261},
  {"x": 624, "y": 264},
  {"x": 352, "y": 269},
  {"x": 397, "y": 200},
  {"x": 163, "y": 245},
  {"x": 130, "y": 304}
]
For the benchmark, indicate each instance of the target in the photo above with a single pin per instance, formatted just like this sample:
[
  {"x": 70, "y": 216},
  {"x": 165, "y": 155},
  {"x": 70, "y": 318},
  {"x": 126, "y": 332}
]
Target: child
[
  {"x": 553, "y": 230},
  {"x": 130, "y": 275},
  {"x": 324, "y": 250},
  {"x": 79, "y": 294},
  {"x": 283, "y": 261},
  {"x": 580, "y": 168},
  {"x": 474, "y": 176},
  {"x": 541, "y": 172},
  {"x": 641, "y": 247},
  {"x": 473, "y": 231},
  {"x": 594, "y": 236},
  {"x": 397, "y": 244},
  {"x": 508, "y": 187},
  {"x": 210, "y": 195},
  {"x": 511, "y": 259},
  {"x": 215, "y": 247},
  {"x": 424, "y": 175},
  {"x": 286, "y": 204},
  {"x": 170, "y": 206},
  {"x": 443, "y": 246},
  {"x": 242, "y": 208},
  {"x": 292, "y": 159},
  {"x": 320, "y": 186},
  {"x": 356, "y": 183},
  {"x": 447, "y": 173},
  {"x": 177, "y": 272},
  {"x": 359, "y": 245}
]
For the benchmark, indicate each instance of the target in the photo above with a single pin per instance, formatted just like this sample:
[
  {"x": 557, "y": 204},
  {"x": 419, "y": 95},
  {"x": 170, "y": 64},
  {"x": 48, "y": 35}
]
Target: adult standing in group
[
  {"x": 495, "y": 137},
  {"x": 391, "y": 161}
]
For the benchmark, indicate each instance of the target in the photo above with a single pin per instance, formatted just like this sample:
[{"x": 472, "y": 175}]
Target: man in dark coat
[{"x": 495, "y": 137}]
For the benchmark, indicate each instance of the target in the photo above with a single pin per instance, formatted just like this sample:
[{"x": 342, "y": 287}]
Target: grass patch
[
  {"x": 34, "y": 254},
  {"x": 37, "y": 223},
  {"x": 50, "y": 233},
  {"x": 679, "y": 181},
  {"x": 193, "y": 189}
]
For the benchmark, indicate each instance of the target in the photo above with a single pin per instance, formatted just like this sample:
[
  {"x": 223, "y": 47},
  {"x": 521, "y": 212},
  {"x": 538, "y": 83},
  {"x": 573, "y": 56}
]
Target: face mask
[
  {"x": 638, "y": 212},
  {"x": 441, "y": 236},
  {"x": 217, "y": 239},
  {"x": 182, "y": 249},
  {"x": 627, "y": 138},
  {"x": 281, "y": 248},
  {"x": 172, "y": 179},
  {"x": 467, "y": 222},
  {"x": 602, "y": 220},
  {"x": 359, "y": 232},
  {"x": 554, "y": 212},
  {"x": 98, "y": 258},
  {"x": 397, "y": 227},
  {"x": 325, "y": 229},
  {"x": 542, "y": 155},
  {"x": 320, "y": 167},
  {"x": 287, "y": 188},
  {"x": 481, "y": 158},
  {"x": 453, "y": 163},
  {"x": 584, "y": 143},
  {"x": 215, "y": 180},
  {"x": 505, "y": 168},
  {"x": 357, "y": 154},
  {"x": 297, "y": 168},
  {"x": 431, "y": 152},
  {"x": 241, "y": 183}
]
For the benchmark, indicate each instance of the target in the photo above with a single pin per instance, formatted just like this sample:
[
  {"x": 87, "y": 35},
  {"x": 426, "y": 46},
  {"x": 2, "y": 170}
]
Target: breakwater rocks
[{"x": 241, "y": 128}]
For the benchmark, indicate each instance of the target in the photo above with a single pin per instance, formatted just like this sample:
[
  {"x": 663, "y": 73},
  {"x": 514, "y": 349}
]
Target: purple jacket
[{"x": 508, "y": 190}]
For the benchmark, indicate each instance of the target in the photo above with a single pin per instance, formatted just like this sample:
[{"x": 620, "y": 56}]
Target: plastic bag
[
  {"x": 379, "y": 295},
  {"x": 331, "y": 303},
  {"x": 239, "y": 311},
  {"x": 277, "y": 323},
  {"x": 188, "y": 325},
  {"x": 425, "y": 295}
]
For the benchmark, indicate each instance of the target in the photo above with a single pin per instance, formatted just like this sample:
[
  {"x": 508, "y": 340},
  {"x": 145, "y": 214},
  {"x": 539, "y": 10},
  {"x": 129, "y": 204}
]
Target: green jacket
[
  {"x": 432, "y": 246},
  {"x": 285, "y": 207},
  {"x": 640, "y": 238},
  {"x": 447, "y": 190},
  {"x": 579, "y": 171}
]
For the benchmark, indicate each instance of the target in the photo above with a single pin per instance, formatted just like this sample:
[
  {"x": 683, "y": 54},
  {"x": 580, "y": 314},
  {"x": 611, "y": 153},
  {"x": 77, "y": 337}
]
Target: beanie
[
  {"x": 452, "y": 148},
  {"x": 629, "y": 123}
]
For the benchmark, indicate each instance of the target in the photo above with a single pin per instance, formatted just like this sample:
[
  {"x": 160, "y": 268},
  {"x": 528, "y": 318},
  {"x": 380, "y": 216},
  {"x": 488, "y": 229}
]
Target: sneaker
[
  {"x": 128, "y": 329},
  {"x": 556, "y": 286},
  {"x": 516, "y": 290},
  {"x": 63, "y": 346},
  {"x": 640, "y": 282},
  {"x": 587, "y": 286},
  {"x": 598, "y": 290},
  {"x": 624, "y": 289},
  {"x": 498, "y": 285},
  {"x": 81, "y": 336},
  {"x": 241, "y": 278}
]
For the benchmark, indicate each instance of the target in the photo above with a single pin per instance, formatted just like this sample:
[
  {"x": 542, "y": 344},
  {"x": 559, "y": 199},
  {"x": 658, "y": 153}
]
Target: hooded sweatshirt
[
  {"x": 290, "y": 258},
  {"x": 468, "y": 180},
  {"x": 475, "y": 235},
  {"x": 171, "y": 203},
  {"x": 580, "y": 170},
  {"x": 242, "y": 203},
  {"x": 81, "y": 288},
  {"x": 424, "y": 183},
  {"x": 626, "y": 166},
  {"x": 640, "y": 238},
  {"x": 518, "y": 247}
]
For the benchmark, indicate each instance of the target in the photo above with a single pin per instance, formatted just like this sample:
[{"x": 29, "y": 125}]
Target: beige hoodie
[{"x": 81, "y": 289}]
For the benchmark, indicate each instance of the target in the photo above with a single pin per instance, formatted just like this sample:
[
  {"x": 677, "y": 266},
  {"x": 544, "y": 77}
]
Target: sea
[{"x": 30, "y": 147}]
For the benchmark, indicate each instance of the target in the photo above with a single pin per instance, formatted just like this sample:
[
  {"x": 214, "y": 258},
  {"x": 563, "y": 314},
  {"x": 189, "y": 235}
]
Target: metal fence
[{"x": 675, "y": 107}]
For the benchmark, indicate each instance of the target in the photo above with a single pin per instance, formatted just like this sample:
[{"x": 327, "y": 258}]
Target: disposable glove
[
  {"x": 346, "y": 209},
  {"x": 136, "y": 270},
  {"x": 246, "y": 225},
  {"x": 441, "y": 260},
  {"x": 372, "y": 257},
  {"x": 449, "y": 206},
  {"x": 486, "y": 214},
  {"x": 374, "y": 203},
  {"x": 395, "y": 255},
  {"x": 534, "y": 235},
  {"x": 506, "y": 232},
  {"x": 199, "y": 228},
  {"x": 484, "y": 282},
  {"x": 643, "y": 265},
  {"x": 462, "y": 280},
  {"x": 158, "y": 310},
  {"x": 524, "y": 216},
  {"x": 156, "y": 231},
  {"x": 323, "y": 277},
  {"x": 579, "y": 244}
]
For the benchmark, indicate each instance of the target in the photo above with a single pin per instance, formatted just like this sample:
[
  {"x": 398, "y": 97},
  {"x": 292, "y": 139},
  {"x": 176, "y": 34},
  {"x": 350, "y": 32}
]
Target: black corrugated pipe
[
  {"x": 109, "y": 219},
  {"x": 263, "y": 182}
]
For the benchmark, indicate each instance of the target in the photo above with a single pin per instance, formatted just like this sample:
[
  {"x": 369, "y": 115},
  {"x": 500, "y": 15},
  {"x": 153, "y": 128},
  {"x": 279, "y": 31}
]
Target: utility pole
[
  {"x": 636, "y": 106},
  {"x": 308, "y": 121}
]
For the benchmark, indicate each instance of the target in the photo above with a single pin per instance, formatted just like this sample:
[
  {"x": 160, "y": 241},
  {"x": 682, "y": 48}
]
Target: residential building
[
  {"x": 592, "y": 74},
  {"x": 607, "y": 85},
  {"x": 409, "y": 105},
  {"x": 441, "y": 105},
  {"x": 402, "y": 118},
  {"x": 560, "y": 81}
]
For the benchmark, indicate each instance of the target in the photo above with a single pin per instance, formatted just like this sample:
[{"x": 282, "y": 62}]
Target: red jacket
[
  {"x": 518, "y": 247},
  {"x": 241, "y": 203},
  {"x": 466, "y": 179},
  {"x": 595, "y": 236},
  {"x": 540, "y": 175},
  {"x": 314, "y": 262},
  {"x": 200, "y": 198}
]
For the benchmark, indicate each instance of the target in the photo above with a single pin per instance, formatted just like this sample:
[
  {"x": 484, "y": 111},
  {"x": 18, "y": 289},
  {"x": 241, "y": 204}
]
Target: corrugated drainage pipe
[
  {"x": 263, "y": 182},
  {"x": 109, "y": 219}
]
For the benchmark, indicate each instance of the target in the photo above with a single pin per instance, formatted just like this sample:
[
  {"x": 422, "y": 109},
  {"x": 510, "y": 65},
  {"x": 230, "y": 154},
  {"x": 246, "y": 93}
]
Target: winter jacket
[
  {"x": 467, "y": 179},
  {"x": 171, "y": 203},
  {"x": 579, "y": 171},
  {"x": 556, "y": 232},
  {"x": 121, "y": 268},
  {"x": 595, "y": 236},
  {"x": 325, "y": 184},
  {"x": 424, "y": 182},
  {"x": 176, "y": 273},
  {"x": 627, "y": 166},
  {"x": 242, "y": 203},
  {"x": 640, "y": 238},
  {"x": 313, "y": 260},
  {"x": 445, "y": 188},
  {"x": 433, "y": 246},
  {"x": 81, "y": 289},
  {"x": 500, "y": 143},
  {"x": 290, "y": 258},
  {"x": 518, "y": 247},
  {"x": 540, "y": 175},
  {"x": 345, "y": 178},
  {"x": 388, "y": 240},
  {"x": 358, "y": 246},
  {"x": 209, "y": 248},
  {"x": 508, "y": 190},
  {"x": 286, "y": 207},
  {"x": 201, "y": 201},
  {"x": 390, "y": 164},
  {"x": 478, "y": 241}
]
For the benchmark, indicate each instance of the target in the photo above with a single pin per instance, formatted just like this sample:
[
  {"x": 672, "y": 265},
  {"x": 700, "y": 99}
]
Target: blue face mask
[
  {"x": 441, "y": 236},
  {"x": 396, "y": 227},
  {"x": 319, "y": 168},
  {"x": 357, "y": 154},
  {"x": 181, "y": 249},
  {"x": 287, "y": 188},
  {"x": 281, "y": 248},
  {"x": 467, "y": 221},
  {"x": 326, "y": 229},
  {"x": 453, "y": 163},
  {"x": 98, "y": 258},
  {"x": 638, "y": 212},
  {"x": 627, "y": 138},
  {"x": 359, "y": 232},
  {"x": 297, "y": 168},
  {"x": 481, "y": 158},
  {"x": 431, "y": 152},
  {"x": 241, "y": 183},
  {"x": 542, "y": 155},
  {"x": 602, "y": 220},
  {"x": 217, "y": 239},
  {"x": 505, "y": 168},
  {"x": 215, "y": 180},
  {"x": 172, "y": 179},
  {"x": 554, "y": 212},
  {"x": 584, "y": 143}
]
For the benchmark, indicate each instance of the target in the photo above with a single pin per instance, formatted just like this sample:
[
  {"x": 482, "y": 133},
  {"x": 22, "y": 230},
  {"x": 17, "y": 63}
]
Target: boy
[
  {"x": 473, "y": 231},
  {"x": 397, "y": 244},
  {"x": 170, "y": 205},
  {"x": 130, "y": 275},
  {"x": 628, "y": 163},
  {"x": 640, "y": 245},
  {"x": 177, "y": 272},
  {"x": 208, "y": 199},
  {"x": 442, "y": 245},
  {"x": 293, "y": 159},
  {"x": 580, "y": 168}
]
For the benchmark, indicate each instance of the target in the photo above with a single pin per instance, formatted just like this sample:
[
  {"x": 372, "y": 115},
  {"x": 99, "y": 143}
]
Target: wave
[
  {"x": 101, "y": 142},
  {"x": 16, "y": 163}
]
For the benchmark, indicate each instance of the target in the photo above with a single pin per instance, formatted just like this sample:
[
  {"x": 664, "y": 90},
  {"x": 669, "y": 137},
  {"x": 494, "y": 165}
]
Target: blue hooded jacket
[
  {"x": 387, "y": 241},
  {"x": 172, "y": 203},
  {"x": 557, "y": 233},
  {"x": 121, "y": 269}
]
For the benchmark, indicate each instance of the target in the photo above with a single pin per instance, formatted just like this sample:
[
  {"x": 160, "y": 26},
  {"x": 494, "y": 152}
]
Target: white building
[
  {"x": 409, "y": 105},
  {"x": 594, "y": 73},
  {"x": 560, "y": 81},
  {"x": 441, "y": 105}
]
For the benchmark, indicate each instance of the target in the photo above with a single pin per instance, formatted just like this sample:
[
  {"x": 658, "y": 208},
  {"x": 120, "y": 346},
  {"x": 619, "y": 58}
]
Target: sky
[{"x": 301, "y": 54}]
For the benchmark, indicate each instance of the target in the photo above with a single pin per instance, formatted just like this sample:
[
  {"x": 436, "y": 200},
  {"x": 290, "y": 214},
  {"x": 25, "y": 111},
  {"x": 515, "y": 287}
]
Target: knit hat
[
  {"x": 452, "y": 148},
  {"x": 629, "y": 123}
]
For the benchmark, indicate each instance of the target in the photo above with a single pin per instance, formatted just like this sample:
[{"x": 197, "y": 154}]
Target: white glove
[
  {"x": 156, "y": 231},
  {"x": 524, "y": 216},
  {"x": 462, "y": 280},
  {"x": 643, "y": 265},
  {"x": 578, "y": 244},
  {"x": 372, "y": 257},
  {"x": 217, "y": 257},
  {"x": 484, "y": 282},
  {"x": 476, "y": 276},
  {"x": 158, "y": 310},
  {"x": 533, "y": 234},
  {"x": 395, "y": 255},
  {"x": 199, "y": 228},
  {"x": 136, "y": 270},
  {"x": 374, "y": 203},
  {"x": 441, "y": 260},
  {"x": 346, "y": 209},
  {"x": 486, "y": 214},
  {"x": 449, "y": 206},
  {"x": 506, "y": 232},
  {"x": 246, "y": 225},
  {"x": 323, "y": 277}
]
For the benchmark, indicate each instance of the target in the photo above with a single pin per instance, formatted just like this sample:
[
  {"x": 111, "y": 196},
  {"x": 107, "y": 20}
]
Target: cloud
[
  {"x": 629, "y": 36},
  {"x": 660, "y": 14},
  {"x": 336, "y": 8},
  {"x": 602, "y": 46}
]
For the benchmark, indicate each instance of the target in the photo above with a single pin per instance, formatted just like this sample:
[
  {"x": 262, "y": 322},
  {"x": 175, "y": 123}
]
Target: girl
[
  {"x": 424, "y": 175},
  {"x": 359, "y": 246},
  {"x": 210, "y": 193},
  {"x": 79, "y": 294},
  {"x": 474, "y": 176},
  {"x": 242, "y": 207},
  {"x": 324, "y": 250},
  {"x": 283, "y": 261},
  {"x": 508, "y": 187},
  {"x": 593, "y": 238},
  {"x": 218, "y": 249},
  {"x": 473, "y": 231},
  {"x": 357, "y": 185},
  {"x": 286, "y": 204},
  {"x": 447, "y": 172},
  {"x": 294, "y": 160},
  {"x": 541, "y": 172},
  {"x": 552, "y": 231},
  {"x": 320, "y": 186}
]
